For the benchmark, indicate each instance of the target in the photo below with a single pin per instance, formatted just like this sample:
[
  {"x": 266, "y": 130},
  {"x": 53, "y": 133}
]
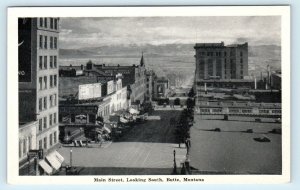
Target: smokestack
[
  {"x": 255, "y": 84},
  {"x": 205, "y": 87}
]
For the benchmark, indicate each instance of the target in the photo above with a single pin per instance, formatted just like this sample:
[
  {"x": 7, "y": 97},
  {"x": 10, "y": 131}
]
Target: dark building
[
  {"x": 71, "y": 71},
  {"x": 151, "y": 77},
  {"x": 276, "y": 80},
  {"x": 217, "y": 61}
]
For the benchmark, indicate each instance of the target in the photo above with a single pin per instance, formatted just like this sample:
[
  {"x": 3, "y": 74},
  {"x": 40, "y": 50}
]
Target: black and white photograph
[{"x": 151, "y": 95}]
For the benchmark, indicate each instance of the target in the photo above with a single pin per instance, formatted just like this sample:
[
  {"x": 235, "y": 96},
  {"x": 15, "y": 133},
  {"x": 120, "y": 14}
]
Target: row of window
[
  {"x": 44, "y": 42},
  {"x": 43, "y": 82},
  {"x": 105, "y": 111},
  {"x": 43, "y": 143},
  {"x": 217, "y": 54},
  {"x": 53, "y": 23},
  {"x": 43, "y": 102},
  {"x": 43, "y": 122},
  {"x": 43, "y": 62}
]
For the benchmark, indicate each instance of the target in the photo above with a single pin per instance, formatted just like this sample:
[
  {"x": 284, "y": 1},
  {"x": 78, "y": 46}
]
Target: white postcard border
[{"x": 12, "y": 85}]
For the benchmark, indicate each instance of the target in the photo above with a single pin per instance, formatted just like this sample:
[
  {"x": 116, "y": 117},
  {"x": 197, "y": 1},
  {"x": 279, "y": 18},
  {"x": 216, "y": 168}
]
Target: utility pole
[
  {"x": 71, "y": 158},
  {"x": 175, "y": 167}
]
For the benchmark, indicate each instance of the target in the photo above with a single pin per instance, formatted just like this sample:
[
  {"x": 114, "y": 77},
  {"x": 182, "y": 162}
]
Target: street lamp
[
  {"x": 175, "y": 167},
  {"x": 71, "y": 158}
]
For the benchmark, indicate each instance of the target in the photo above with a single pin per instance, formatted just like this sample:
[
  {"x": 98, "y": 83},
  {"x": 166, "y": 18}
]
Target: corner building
[
  {"x": 217, "y": 61},
  {"x": 38, "y": 78}
]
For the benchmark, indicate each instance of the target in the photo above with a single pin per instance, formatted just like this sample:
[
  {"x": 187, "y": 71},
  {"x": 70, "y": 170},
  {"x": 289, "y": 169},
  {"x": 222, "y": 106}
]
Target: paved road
[{"x": 147, "y": 146}]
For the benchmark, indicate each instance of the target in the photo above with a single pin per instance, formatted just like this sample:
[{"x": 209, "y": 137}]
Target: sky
[{"x": 95, "y": 32}]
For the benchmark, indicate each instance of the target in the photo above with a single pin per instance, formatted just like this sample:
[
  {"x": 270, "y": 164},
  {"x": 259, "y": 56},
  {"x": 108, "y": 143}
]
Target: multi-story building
[
  {"x": 38, "y": 78},
  {"x": 151, "y": 77},
  {"x": 217, "y": 61},
  {"x": 134, "y": 77},
  {"x": 161, "y": 87}
]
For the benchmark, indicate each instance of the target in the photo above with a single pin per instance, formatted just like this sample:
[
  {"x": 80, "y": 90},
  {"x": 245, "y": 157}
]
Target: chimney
[{"x": 81, "y": 67}]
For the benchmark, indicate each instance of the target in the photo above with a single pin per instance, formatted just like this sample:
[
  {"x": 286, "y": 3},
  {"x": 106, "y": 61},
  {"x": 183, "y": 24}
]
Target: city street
[{"x": 146, "y": 149}]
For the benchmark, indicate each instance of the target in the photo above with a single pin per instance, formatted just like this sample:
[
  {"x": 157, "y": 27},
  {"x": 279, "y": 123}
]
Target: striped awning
[
  {"x": 59, "y": 157},
  {"x": 48, "y": 169},
  {"x": 53, "y": 161}
]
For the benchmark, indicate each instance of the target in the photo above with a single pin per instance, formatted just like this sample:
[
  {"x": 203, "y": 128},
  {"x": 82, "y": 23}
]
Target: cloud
[{"x": 89, "y": 32}]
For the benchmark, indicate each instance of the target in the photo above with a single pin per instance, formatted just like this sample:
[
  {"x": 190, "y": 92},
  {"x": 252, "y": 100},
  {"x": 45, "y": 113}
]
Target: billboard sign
[
  {"x": 24, "y": 48},
  {"x": 89, "y": 91}
]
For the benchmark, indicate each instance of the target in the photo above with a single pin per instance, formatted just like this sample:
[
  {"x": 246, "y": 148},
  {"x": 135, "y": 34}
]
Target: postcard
[{"x": 126, "y": 95}]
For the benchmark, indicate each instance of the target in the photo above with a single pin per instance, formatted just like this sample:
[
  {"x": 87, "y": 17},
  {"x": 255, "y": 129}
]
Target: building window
[
  {"x": 55, "y": 43},
  {"x": 45, "y": 22},
  {"x": 55, "y": 24},
  {"x": 55, "y": 61},
  {"x": 54, "y": 118},
  {"x": 45, "y": 102},
  {"x": 24, "y": 147},
  {"x": 45, "y": 143},
  {"x": 51, "y": 42},
  {"x": 55, "y": 100},
  {"x": 40, "y": 104},
  {"x": 45, "y": 42},
  {"x": 40, "y": 124},
  {"x": 50, "y": 120},
  {"x": 45, "y": 82},
  {"x": 50, "y": 99},
  {"x": 20, "y": 149},
  {"x": 55, "y": 80},
  {"x": 41, "y": 22},
  {"x": 241, "y": 53},
  {"x": 40, "y": 62},
  {"x": 45, "y": 122},
  {"x": 41, "y": 83},
  {"x": 40, "y": 144},
  {"x": 29, "y": 143},
  {"x": 241, "y": 60},
  {"x": 51, "y": 62},
  {"x": 41, "y": 42},
  {"x": 55, "y": 137},
  {"x": 50, "y": 140},
  {"x": 51, "y": 81},
  {"x": 45, "y": 62},
  {"x": 51, "y": 23}
]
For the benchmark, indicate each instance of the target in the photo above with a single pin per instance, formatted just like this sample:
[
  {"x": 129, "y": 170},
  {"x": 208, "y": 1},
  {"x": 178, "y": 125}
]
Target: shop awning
[
  {"x": 45, "y": 167},
  {"x": 107, "y": 129},
  {"x": 123, "y": 120},
  {"x": 53, "y": 161},
  {"x": 133, "y": 111},
  {"x": 59, "y": 157}
]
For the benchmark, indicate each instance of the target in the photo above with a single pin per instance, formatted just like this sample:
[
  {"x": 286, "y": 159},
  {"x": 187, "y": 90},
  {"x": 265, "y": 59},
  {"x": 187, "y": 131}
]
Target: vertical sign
[{"x": 24, "y": 43}]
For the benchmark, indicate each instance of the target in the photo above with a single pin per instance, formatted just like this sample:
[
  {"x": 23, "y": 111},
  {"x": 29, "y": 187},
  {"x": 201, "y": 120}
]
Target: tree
[{"x": 191, "y": 94}]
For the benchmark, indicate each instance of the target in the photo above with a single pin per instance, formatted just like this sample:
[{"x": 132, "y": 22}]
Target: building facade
[
  {"x": 38, "y": 77},
  {"x": 217, "y": 61},
  {"x": 150, "y": 78},
  {"x": 133, "y": 77},
  {"x": 27, "y": 139},
  {"x": 161, "y": 87}
]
